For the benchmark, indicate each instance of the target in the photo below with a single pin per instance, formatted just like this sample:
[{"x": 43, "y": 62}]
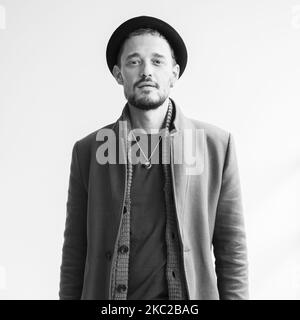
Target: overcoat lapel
[
  {"x": 118, "y": 173},
  {"x": 187, "y": 158}
]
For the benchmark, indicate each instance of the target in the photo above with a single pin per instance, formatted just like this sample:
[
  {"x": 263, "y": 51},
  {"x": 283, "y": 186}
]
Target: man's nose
[{"x": 146, "y": 69}]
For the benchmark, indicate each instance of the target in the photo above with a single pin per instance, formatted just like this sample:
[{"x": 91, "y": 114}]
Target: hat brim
[{"x": 121, "y": 33}]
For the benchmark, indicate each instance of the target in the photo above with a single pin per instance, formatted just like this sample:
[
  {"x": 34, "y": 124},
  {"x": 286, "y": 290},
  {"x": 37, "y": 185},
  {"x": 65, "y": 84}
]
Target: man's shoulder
[
  {"x": 216, "y": 139},
  {"x": 213, "y": 133},
  {"x": 90, "y": 138}
]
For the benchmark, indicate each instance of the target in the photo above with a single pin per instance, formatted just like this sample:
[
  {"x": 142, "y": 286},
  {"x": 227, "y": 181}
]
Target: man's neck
[{"x": 149, "y": 120}]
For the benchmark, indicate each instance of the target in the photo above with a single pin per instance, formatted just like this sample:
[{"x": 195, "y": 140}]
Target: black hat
[{"x": 121, "y": 33}]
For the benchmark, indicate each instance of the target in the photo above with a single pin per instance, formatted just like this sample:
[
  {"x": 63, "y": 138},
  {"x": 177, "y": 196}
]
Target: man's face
[{"x": 147, "y": 71}]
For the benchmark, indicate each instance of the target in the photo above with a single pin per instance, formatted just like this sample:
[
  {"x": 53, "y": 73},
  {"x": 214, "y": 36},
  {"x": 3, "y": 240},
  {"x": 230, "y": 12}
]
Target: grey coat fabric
[{"x": 208, "y": 207}]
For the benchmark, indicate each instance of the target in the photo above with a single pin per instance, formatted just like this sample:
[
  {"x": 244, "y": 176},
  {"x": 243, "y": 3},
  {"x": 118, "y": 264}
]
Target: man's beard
[{"x": 145, "y": 102}]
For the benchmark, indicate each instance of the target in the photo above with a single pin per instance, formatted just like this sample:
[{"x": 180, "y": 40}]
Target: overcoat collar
[{"x": 180, "y": 121}]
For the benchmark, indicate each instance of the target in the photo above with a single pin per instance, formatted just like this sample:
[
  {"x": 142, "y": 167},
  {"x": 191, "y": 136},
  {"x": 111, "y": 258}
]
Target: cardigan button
[
  {"x": 121, "y": 288},
  {"x": 123, "y": 249}
]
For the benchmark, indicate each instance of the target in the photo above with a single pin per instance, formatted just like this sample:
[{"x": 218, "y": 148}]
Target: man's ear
[
  {"x": 117, "y": 74},
  {"x": 176, "y": 70}
]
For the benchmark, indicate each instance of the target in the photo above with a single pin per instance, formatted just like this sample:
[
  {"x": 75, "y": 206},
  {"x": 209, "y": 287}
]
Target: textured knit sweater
[{"x": 120, "y": 265}]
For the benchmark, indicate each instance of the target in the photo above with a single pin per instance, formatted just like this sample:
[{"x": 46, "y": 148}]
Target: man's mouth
[{"x": 143, "y": 85}]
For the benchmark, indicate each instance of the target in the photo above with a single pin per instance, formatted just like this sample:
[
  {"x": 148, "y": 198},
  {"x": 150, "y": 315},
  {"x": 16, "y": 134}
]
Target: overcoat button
[
  {"x": 123, "y": 249},
  {"x": 121, "y": 288}
]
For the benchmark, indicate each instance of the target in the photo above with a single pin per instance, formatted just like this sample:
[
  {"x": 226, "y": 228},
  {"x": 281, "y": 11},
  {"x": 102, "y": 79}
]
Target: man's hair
[{"x": 139, "y": 32}]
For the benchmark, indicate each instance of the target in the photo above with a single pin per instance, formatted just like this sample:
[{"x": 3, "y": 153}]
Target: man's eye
[
  {"x": 133, "y": 62},
  {"x": 157, "y": 61}
]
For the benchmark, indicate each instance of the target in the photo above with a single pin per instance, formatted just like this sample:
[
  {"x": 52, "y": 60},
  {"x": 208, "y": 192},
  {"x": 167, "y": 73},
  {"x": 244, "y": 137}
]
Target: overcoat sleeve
[
  {"x": 75, "y": 235},
  {"x": 229, "y": 239}
]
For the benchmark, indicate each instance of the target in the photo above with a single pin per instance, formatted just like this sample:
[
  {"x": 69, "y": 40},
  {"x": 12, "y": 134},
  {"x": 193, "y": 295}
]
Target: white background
[{"x": 243, "y": 75}]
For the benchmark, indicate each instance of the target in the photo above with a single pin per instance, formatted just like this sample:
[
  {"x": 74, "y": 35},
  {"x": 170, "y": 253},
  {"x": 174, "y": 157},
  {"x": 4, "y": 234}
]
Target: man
[{"x": 143, "y": 220}]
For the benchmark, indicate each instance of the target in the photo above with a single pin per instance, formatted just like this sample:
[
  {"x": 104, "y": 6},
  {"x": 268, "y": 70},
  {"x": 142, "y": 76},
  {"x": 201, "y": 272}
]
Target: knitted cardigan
[{"x": 177, "y": 287}]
